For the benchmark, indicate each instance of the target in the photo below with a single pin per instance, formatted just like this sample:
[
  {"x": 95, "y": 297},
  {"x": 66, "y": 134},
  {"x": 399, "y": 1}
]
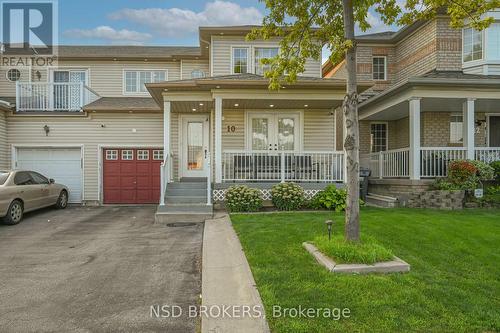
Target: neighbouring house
[
  {"x": 435, "y": 98},
  {"x": 171, "y": 125}
]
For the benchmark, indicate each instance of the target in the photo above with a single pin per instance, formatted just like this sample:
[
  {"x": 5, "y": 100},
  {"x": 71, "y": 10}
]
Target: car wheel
[
  {"x": 15, "y": 213},
  {"x": 62, "y": 201}
]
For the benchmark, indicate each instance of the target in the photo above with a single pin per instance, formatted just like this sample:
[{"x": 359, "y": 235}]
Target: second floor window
[
  {"x": 240, "y": 60},
  {"x": 135, "y": 80},
  {"x": 472, "y": 45},
  {"x": 264, "y": 53},
  {"x": 379, "y": 68}
]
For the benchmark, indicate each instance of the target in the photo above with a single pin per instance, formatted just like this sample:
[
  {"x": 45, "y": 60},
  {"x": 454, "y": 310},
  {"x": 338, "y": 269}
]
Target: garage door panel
[
  {"x": 138, "y": 181},
  {"x": 61, "y": 164}
]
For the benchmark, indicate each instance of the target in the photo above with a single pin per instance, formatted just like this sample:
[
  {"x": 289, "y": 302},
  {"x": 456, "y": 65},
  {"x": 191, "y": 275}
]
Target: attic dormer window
[{"x": 472, "y": 45}]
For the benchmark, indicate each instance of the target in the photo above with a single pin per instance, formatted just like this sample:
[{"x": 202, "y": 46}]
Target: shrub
[
  {"x": 243, "y": 199},
  {"x": 461, "y": 171},
  {"x": 496, "y": 167},
  {"x": 287, "y": 196},
  {"x": 330, "y": 198},
  {"x": 484, "y": 171}
]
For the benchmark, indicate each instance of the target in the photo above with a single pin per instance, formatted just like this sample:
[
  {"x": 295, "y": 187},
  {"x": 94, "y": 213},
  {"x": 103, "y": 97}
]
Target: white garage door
[{"x": 61, "y": 164}]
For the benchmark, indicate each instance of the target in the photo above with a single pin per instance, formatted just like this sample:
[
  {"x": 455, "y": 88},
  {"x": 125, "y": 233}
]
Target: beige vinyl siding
[
  {"x": 106, "y": 77},
  {"x": 319, "y": 130},
  {"x": 190, "y": 65},
  {"x": 4, "y": 148},
  {"x": 318, "y": 133},
  {"x": 87, "y": 131},
  {"x": 233, "y": 140},
  {"x": 221, "y": 57},
  {"x": 8, "y": 88}
]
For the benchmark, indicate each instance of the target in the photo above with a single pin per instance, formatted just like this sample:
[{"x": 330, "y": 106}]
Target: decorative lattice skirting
[{"x": 220, "y": 195}]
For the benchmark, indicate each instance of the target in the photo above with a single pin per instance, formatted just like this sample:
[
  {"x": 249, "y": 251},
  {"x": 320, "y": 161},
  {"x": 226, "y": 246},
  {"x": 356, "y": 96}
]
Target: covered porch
[
  {"x": 433, "y": 120},
  {"x": 233, "y": 130}
]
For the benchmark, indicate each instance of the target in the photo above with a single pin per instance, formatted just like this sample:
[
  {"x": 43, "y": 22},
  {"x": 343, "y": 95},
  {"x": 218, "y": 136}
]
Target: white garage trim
[
  {"x": 15, "y": 147},
  {"x": 100, "y": 152}
]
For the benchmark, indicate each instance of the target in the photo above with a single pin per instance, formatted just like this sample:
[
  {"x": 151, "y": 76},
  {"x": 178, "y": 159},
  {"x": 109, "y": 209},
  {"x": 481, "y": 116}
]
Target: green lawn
[{"x": 453, "y": 286}]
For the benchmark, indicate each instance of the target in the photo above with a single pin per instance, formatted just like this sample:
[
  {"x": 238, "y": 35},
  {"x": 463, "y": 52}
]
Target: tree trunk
[{"x": 351, "y": 128}]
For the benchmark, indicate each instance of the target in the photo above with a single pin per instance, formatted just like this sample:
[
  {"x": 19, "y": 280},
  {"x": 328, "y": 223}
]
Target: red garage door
[{"x": 131, "y": 175}]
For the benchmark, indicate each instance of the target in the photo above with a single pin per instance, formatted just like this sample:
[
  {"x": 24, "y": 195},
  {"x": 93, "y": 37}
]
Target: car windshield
[{"x": 3, "y": 177}]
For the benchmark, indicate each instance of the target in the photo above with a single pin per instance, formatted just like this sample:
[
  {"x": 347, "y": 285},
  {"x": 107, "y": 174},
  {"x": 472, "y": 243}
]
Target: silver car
[{"x": 23, "y": 191}]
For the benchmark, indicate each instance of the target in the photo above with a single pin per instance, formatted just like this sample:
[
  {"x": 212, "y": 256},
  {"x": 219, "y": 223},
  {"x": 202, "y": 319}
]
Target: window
[
  {"x": 472, "y": 45},
  {"x": 378, "y": 134},
  {"x": 158, "y": 155},
  {"x": 127, "y": 155},
  {"x": 197, "y": 74},
  {"x": 493, "y": 48},
  {"x": 143, "y": 155},
  {"x": 240, "y": 60},
  {"x": 273, "y": 131},
  {"x": 264, "y": 53},
  {"x": 38, "y": 178},
  {"x": 456, "y": 126},
  {"x": 379, "y": 68},
  {"x": 111, "y": 155},
  {"x": 135, "y": 80},
  {"x": 23, "y": 178},
  {"x": 13, "y": 75}
]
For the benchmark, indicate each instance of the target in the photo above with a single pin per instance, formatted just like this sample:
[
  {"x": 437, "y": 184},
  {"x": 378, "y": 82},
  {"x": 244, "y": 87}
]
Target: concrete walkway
[{"x": 228, "y": 281}]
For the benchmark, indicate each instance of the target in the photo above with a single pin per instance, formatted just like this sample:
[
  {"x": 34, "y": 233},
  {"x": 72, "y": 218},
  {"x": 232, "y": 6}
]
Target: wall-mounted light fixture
[
  {"x": 38, "y": 75},
  {"x": 46, "y": 128}
]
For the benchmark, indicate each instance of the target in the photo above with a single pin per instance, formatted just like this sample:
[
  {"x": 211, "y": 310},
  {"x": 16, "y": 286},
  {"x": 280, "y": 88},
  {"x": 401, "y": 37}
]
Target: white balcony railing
[
  {"x": 52, "y": 96},
  {"x": 282, "y": 166},
  {"x": 487, "y": 154}
]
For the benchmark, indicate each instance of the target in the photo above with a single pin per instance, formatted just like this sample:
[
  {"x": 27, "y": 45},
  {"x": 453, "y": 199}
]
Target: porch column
[
  {"x": 414, "y": 115},
  {"x": 218, "y": 139},
  {"x": 166, "y": 131},
  {"x": 468, "y": 128}
]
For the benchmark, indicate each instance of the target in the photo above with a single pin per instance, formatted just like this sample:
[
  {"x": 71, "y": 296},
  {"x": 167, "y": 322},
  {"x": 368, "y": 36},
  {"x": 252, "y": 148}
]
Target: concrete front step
[
  {"x": 183, "y": 213},
  {"x": 381, "y": 201},
  {"x": 188, "y": 185},
  {"x": 186, "y": 192},
  {"x": 184, "y": 199}
]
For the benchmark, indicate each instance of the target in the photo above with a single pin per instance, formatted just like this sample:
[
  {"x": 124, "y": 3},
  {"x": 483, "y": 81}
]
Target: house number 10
[{"x": 231, "y": 129}]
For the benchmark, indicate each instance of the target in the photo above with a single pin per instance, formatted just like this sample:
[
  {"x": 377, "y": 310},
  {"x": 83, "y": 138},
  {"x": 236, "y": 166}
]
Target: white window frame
[
  {"x": 52, "y": 70},
  {"x": 386, "y": 135},
  {"x": 456, "y": 115},
  {"x": 131, "y": 155},
  {"x": 299, "y": 146},
  {"x": 110, "y": 153},
  {"x": 483, "y": 48},
  {"x": 143, "y": 154},
  {"x": 157, "y": 154},
  {"x": 138, "y": 70},
  {"x": 249, "y": 58},
  {"x": 255, "y": 62},
  {"x": 385, "y": 68}
]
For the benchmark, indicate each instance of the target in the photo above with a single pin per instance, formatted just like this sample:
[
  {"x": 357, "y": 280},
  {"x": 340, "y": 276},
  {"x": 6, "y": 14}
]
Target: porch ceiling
[
  {"x": 401, "y": 109},
  {"x": 245, "y": 104}
]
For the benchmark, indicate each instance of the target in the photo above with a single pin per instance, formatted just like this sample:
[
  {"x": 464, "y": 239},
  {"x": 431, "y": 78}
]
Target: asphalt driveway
[{"x": 97, "y": 269}]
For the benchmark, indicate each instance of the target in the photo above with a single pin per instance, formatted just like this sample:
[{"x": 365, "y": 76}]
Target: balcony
[{"x": 53, "y": 97}]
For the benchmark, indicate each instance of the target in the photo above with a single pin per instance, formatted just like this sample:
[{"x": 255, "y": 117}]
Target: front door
[
  {"x": 494, "y": 131},
  {"x": 67, "y": 97},
  {"x": 273, "y": 131},
  {"x": 194, "y": 146}
]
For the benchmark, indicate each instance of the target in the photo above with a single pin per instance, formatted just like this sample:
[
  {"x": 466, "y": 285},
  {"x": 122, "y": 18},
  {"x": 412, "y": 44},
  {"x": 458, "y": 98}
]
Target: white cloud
[
  {"x": 176, "y": 22},
  {"x": 109, "y": 34}
]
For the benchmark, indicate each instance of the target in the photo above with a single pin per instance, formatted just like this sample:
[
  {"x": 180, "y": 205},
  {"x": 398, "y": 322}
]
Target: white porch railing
[
  {"x": 434, "y": 161},
  {"x": 208, "y": 165},
  {"x": 487, "y": 154},
  {"x": 52, "y": 96},
  {"x": 282, "y": 166},
  {"x": 166, "y": 169},
  {"x": 391, "y": 163}
]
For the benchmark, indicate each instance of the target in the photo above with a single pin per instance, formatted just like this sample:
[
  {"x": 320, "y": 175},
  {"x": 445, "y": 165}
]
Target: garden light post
[{"x": 329, "y": 224}]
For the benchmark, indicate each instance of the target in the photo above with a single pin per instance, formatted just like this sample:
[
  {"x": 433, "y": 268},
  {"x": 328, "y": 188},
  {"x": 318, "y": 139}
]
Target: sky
[{"x": 157, "y": 22}]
